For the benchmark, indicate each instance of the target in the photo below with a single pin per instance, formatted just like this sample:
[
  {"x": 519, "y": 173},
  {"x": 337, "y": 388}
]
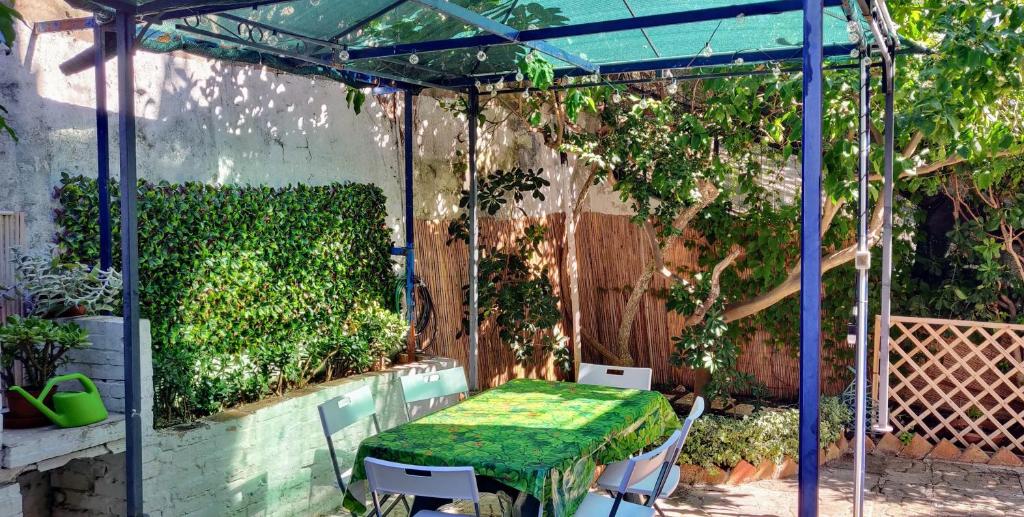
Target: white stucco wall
[{"x": 210, "y": 121}]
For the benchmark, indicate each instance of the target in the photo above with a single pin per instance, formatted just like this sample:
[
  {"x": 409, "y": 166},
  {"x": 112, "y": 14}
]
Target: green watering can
[{"x": 71, "y": 408}]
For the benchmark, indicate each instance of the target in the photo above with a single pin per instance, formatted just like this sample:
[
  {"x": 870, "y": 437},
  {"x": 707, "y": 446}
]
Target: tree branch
[{"x": 716, "y": 287}]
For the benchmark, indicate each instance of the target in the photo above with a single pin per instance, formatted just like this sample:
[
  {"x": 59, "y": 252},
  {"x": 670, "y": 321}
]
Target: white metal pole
[{"x": 863, "y": 263}]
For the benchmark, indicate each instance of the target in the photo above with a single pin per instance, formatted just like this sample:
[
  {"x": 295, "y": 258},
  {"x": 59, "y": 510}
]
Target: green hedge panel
[{"x": 249, "y": 289}]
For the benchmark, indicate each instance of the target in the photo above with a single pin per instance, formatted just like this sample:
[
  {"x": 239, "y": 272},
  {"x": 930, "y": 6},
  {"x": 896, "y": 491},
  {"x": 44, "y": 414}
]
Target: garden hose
[{"x": 424, "y": 308}]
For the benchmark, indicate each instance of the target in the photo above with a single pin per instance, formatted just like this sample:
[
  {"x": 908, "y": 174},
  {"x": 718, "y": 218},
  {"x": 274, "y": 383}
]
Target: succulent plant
[{"x": 38, "y": 346}]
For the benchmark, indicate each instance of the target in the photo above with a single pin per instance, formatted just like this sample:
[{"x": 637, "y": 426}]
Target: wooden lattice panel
[
  {"x": 12, "y": 234},
  {"x": 959, "y": 380}
]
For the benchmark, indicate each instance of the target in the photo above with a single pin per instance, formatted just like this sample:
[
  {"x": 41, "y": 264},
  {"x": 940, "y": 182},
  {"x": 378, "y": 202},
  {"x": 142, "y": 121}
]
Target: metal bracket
[{"x": 862, "y": 260}]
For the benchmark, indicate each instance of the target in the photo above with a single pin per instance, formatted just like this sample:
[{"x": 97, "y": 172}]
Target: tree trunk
[
  {"x": 629, "y": 313},
  {"x": 701, "y": 378}
]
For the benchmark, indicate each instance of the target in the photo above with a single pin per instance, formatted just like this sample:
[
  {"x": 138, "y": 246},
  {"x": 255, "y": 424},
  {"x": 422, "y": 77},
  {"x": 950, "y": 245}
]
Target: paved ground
[{"x": 898, "y": 488}]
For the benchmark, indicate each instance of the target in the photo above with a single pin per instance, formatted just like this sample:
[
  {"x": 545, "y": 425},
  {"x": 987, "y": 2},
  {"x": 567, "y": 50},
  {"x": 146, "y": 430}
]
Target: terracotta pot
[
  {"x": 21, "y": 414},
  {"x": 73, "y": 312}
]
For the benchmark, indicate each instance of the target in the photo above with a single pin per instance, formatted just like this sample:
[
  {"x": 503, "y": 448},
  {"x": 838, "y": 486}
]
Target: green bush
[
  {"x": 250, "y": 290},
  {"x": 768, "y": 434}
]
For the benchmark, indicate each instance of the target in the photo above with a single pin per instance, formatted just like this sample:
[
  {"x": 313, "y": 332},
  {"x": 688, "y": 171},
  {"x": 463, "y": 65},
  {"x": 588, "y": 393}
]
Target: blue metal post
[
  {"x": 410, "y": 258},
  {"x": 474, "y": 231},
  {"x": 810, "y": 258},
  {"x": 125, "y": 26},
  {"x": 102, "y": 149}
]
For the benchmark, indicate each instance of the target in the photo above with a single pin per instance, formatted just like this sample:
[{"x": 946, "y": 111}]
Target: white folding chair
[
  {"x": 386, "y": 477},
  {"x": 611, "y": 478},
  {"x": 431, "y": 385},
  {"x": 615, "y": 376},
  {"x": 636, "y": 469},
  {"x": 345, "y": 411}
]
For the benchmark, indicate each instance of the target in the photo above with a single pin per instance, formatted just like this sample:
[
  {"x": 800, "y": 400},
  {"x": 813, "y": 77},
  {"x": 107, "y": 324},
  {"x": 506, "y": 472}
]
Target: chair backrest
[
  {"x": 643, "y": 465},
  {"x": 695, "y": 412},
  {"x": 348, "y": 409},
  {"x": 441, "y": 482},
  {"x": 615, "y": 376},
  {"x": 344, "y": 411},
  {"x": 431, "y": 385}
]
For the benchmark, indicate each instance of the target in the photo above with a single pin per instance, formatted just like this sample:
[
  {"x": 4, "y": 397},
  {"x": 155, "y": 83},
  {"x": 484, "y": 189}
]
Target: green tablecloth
[{"x": 540, "y": 437}]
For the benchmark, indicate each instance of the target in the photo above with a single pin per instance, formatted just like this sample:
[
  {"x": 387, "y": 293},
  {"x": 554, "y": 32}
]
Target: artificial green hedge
[
  {"x": 249, "y": 289},
  {"x": 767, "y": 434}
]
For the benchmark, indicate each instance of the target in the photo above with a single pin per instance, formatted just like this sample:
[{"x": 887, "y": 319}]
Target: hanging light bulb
[
  {"x": 570, "y": 79},
  {"x": 707, "y": 51},
  {"x": 477, "y": 83},
  {"x": 740, "y": 18},
  {"x": 776, "y": 69},
  {"x": 520, "y": 76},
  {"x": 529, "y": 57},
  {"x": 738, "y": 61},
  {"x": 490, "y": 87},
  {"x": 643, "y": 104},
  {"x": 616, "y": 98},
  {"x": 481, "y": 55},
  {"x": 596, "y": 77},
  {"x": 668, "y": 74},
  {"x": 526, "y": 93},
  {"x": 853, "y": 31},
  {"x": 413, "y": 59},
  {"x": 673, "y": 87},
  {"x": 855, "y": 53},
  {"x": 494, "y": 93},
  {"x": 501, "y": 84},
  {"x": 343, "y": 55},
  {"x": 273, "y": 40}
]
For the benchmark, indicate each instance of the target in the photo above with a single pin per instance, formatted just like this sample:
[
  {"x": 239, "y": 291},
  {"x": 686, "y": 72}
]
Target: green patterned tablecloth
[{"x": 541, "y": 437}]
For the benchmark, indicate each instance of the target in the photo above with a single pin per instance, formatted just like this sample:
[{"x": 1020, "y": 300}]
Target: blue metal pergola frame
[{"x": 813, "y": 52}]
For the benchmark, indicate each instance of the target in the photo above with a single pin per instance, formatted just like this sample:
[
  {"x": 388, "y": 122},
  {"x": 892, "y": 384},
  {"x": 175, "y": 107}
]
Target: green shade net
[{"x": 359, "y": 25}]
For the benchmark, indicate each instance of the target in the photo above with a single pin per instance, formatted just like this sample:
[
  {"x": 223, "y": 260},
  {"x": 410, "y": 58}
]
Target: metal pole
[
  {"x": 410, "y": 259},
  {"x": 125, "y": 26},
  {"x": 810, "y": 258},
  {"x": 102, "y": 148},
  {"x": 474, "y": 231},
  {"x": 889, "y": 83},
  {"x": 862, "y": 263}
]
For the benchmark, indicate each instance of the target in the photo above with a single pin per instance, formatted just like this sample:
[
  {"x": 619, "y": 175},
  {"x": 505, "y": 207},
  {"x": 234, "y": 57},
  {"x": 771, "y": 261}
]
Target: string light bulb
[
  {"x": 343, "y": 55},
  {"x": 477, "y": 83},
  {"x": 616, "y": 97},
  {"x": 481, "y": 55},
  {"x": 520, "y": 76},
  {"x": 855, "y": 53},
  {"x": 413, "y": 59},
  {"x": 738, "y": 61},
  {"x": 526, "y": 93},
  {"x": 707, "y": 51},
  {"x": 673, "y": 87}
]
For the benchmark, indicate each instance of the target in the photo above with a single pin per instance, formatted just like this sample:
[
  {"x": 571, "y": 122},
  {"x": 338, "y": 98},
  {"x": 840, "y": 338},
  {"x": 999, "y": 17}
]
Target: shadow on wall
[{"x": 212, "y": 121}]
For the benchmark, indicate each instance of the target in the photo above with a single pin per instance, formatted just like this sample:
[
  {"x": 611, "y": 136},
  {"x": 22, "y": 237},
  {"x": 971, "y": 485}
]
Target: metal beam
[
  {"x": 810, "y": 258},
  {"x": 863, "y": 265},
  {"x": 889, "y": 84},
  {"x": 71, "y": 24},
  {"x": 159, "y": 11},
  {"x": 102, "y": 149},
  {"x": 586, "y": 29},
  {"x": 125, "y": 27},
  {"x": 272, "y": 29},
  {"x": 474, "y": 236},
  {"x": 750, "y": 57},
  {"x": 507, "y": 33}
]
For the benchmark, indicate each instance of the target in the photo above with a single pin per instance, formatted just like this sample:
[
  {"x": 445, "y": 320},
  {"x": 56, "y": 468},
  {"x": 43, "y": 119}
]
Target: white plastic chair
[
  {"x": 386, "y": 477},
  {"x": 653, "y": 464},
  {"x": 611, "y": 478},
  {"x": 432, "y": 385},
  {"x": 345, "y": 411},
  {"x": 615, "y": 376}
]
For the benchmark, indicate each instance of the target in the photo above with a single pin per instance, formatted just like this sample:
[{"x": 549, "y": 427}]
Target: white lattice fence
[
  {"x": 12, "y": 234},
  {"x": 958, "y": 380}
]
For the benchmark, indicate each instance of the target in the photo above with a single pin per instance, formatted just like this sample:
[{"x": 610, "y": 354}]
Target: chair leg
[
  {"x": 658, "y": 509},
  {"x": 394, "y": 503}
]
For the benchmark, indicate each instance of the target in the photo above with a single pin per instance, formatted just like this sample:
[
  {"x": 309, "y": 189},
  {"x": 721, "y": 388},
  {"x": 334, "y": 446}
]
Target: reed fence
[{"x": 12, "y": 234}]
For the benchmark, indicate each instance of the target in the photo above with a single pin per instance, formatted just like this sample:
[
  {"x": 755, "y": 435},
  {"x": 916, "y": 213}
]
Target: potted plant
[
  {"x": 36, "y": 348},
  {"x": 52, "y": 288}
]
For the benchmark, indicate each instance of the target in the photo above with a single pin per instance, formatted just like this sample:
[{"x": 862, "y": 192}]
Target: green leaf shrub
[
  {"x": 250, "y": 290},
  {"x": 768, "y": 434}
]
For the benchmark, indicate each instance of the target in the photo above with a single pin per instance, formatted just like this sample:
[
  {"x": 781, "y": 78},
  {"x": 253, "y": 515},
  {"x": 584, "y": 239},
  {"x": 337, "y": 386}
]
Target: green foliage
[
  {"x": 355, "y": 98},
  {"x": 768, "y": 434},
  {"x": 513, "y": 286},
  {"x": 537, "y": 70},
  {"x": 39, "y": 345},
  {"x": 982, "y": 271},
  {"x": 49, "y": 287},
  {"x": 8, "y": 15},
  {"x": 250, "y": 290}
]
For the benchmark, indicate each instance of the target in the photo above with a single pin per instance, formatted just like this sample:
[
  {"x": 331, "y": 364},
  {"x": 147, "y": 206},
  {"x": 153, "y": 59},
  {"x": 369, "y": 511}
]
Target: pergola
[{"x": 474, "y": 47}]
